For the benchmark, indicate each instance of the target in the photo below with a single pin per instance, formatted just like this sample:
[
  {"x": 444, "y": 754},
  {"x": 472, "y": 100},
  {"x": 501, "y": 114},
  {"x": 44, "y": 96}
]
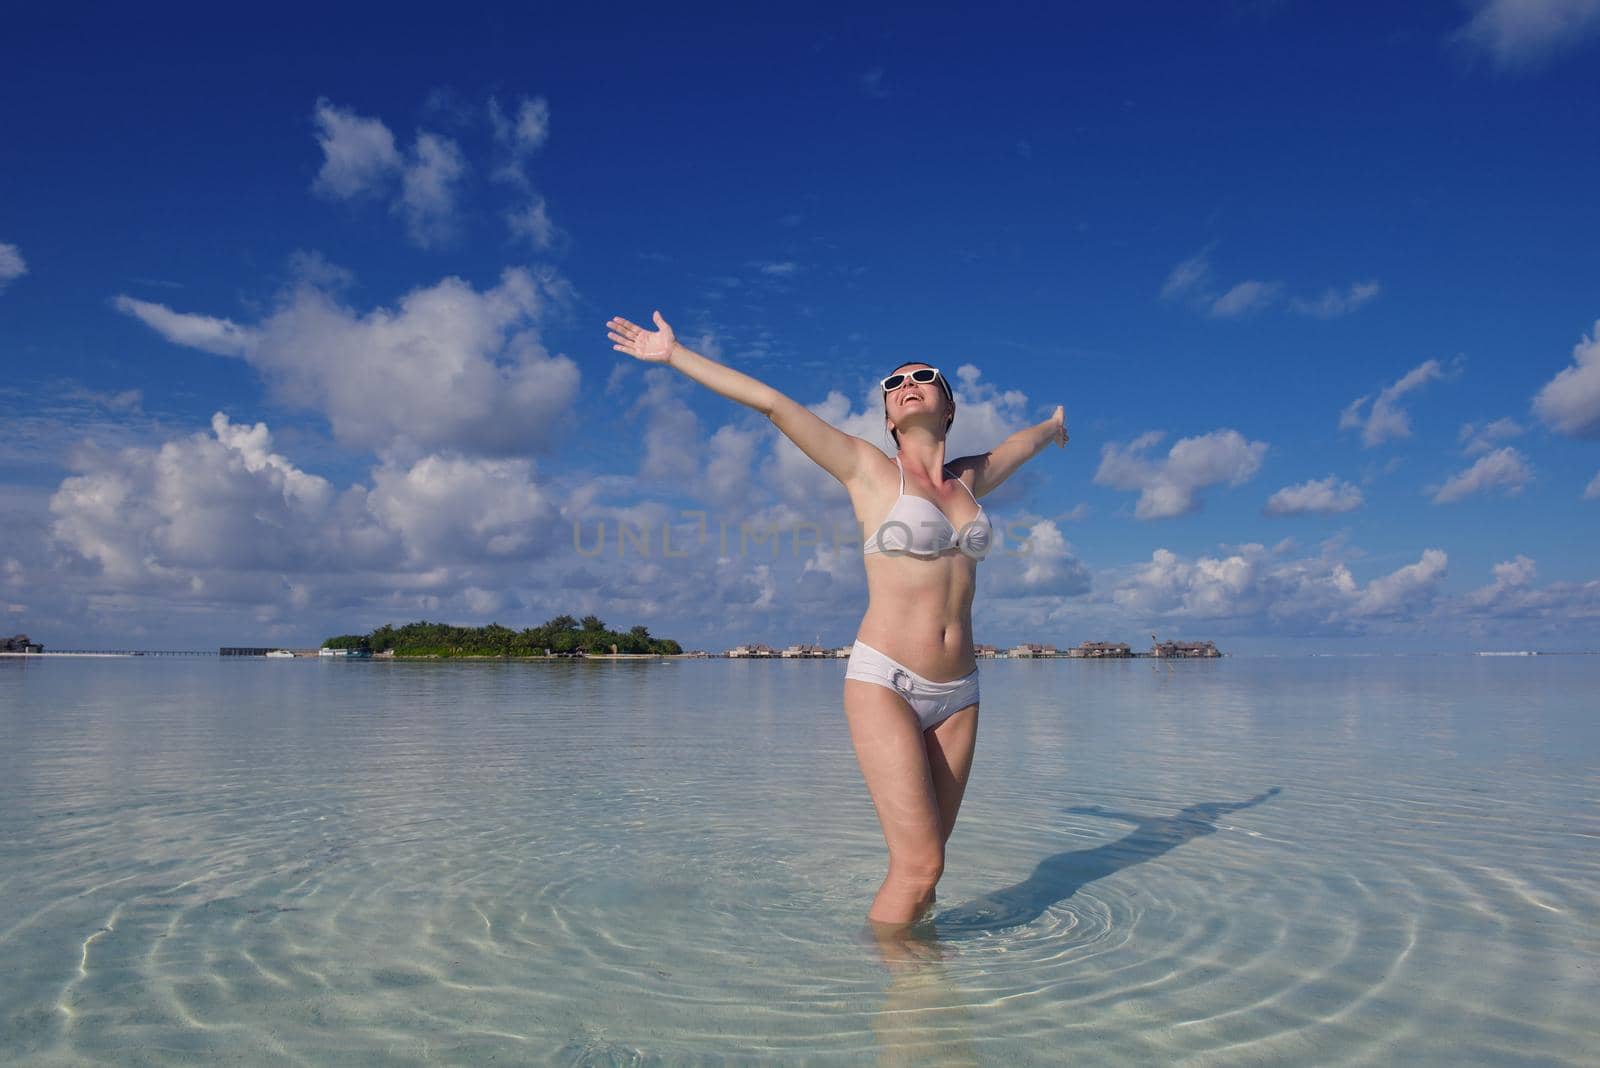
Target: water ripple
[{"x": 409, "y": 864}]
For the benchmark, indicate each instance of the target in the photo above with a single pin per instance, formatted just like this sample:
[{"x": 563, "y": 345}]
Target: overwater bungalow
[
  {"x": 1099, "y": 650},
  {"x": 1183, "y": 649}
]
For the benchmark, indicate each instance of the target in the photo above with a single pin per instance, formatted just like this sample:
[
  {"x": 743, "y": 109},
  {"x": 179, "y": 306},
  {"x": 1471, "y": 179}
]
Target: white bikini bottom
[{"x": 933, "y": 702}]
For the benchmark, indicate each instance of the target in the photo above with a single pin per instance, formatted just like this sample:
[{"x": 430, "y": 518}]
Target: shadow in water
[{"x": 1057, "y": 878}]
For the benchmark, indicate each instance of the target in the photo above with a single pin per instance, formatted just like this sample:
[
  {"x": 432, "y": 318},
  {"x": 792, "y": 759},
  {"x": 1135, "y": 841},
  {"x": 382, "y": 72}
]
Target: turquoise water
[{"x": 1370, "y": 861}]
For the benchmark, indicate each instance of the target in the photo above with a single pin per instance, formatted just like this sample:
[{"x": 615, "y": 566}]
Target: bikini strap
[
  {"x": 898, "y": 464},
  {"x": 974, "y": 496}
]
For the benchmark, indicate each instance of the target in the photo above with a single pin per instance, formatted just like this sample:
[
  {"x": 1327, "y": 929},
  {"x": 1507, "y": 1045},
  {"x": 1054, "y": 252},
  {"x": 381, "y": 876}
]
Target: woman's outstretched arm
[
  {"x": 1000, "y": 463},
  {"x": 842, "y": 455}
]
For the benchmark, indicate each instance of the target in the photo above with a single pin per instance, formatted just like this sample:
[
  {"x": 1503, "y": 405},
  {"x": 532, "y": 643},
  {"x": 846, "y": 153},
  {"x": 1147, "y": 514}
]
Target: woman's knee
[{"x": 922, "y": 868}]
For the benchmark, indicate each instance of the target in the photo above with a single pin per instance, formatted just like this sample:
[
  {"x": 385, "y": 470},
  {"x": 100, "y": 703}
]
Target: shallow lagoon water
[{"x": 1247, "y": 861}]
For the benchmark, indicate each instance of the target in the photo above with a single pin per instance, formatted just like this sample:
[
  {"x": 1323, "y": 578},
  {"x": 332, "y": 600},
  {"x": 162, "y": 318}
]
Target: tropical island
[{"x": 561, "y": 636}]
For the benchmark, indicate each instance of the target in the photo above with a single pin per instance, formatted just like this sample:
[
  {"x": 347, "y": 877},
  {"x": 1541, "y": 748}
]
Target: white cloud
[
  {"x": 1504, "y": 469},
  {"x": 313, "y": 269},
  {"x": 1194, "y": 282},
  {"x": 871, "y": 83},
  {"x": 1244, "y": 298},
  {"x": 253, "y": 447},
  {"x": 1077, "y": 512},
  {"x": 1592, "y": 491},
  {"x": 1404, "y": 591},
  {"x": 1570, "y": 402},
  {"x": 783, "y": 269},
  {"x": 1335, "y": 302},
  {"x": 1190, "y": 276},
  {"x": 12, "y": 265},
  {"x": 525, "y": 132},
  {"x": 840, "y": 563},
  {"x": 1269, "y": 591},
  {"x": 450, "y": 368},
  {"x": 1169, "y": 487},
  {"x": 1510, "y": 578},
  {"x": 532, "y": 221},
  {"x": 428, "y": 189},
  {"x": 209, "y": 504},
  {"x": 359, "y": 156},
  {"x": 519, "y": 137},
  {"x": 1480, "y": 439},
  {"x": 986, "y": 414},
  {"x": 487, "y": 604},
  {"x": 1513, "y": 596},
  {"x": 360, "y": 159},
  {"x": 451, "y": 509},
  {"x": 222, "y": 523},
  {"x": 732, "y": 458},
  {"x": 221, "y": 337},
  {"x": 220, "y": 526},
  {"x": 671, "y": 440},
  {"x": 707, "y": 344},
  {"x": 1041, "y": 563},
  {"x": 1328, "y": 496},
  {"x": 1385, "y": 419},
  {"x": 1205, "y": 587},
  {"x": 1520, "y": 34}
]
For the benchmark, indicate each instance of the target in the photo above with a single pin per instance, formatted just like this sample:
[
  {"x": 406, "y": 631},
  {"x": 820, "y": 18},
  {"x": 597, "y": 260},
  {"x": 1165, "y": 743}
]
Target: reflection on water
[
  {"x": 925, "y": 1017},
  {"x": 636, "y": 863}
]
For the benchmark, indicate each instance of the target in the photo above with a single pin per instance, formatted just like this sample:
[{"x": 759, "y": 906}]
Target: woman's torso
[{"x": 919, "y": 608}]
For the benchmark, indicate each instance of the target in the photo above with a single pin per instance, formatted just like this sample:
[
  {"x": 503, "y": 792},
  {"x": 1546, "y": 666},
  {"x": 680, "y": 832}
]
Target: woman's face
[{"x": 913, "y": 397}]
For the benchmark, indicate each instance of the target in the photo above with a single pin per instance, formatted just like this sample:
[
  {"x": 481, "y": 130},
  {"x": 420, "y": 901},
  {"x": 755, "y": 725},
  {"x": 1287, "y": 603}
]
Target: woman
[{"x": 911, "y": 687}]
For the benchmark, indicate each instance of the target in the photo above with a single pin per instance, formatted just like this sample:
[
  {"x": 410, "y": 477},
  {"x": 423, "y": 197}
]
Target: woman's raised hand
[
  {"x": 653, "y": 346},
  {"x": 1060, "y": 420}
]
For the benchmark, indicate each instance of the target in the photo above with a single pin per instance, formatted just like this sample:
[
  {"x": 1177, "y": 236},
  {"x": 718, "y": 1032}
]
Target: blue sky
[{"x": 304, "y": 321}]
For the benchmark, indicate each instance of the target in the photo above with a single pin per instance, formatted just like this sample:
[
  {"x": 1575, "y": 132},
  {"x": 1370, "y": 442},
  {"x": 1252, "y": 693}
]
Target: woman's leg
[
  {"x": 893, "y": 756},
  {"x": 950, "y": 747}
]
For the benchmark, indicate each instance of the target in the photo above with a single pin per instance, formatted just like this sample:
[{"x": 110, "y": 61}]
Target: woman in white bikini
[{"x": 911, "y": 687}]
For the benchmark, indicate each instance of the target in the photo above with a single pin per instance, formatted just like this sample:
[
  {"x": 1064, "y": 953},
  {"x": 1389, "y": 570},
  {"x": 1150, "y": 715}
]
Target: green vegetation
[
  {"x": 562, "y": 635},
  {"x": 348, "y": 641}
]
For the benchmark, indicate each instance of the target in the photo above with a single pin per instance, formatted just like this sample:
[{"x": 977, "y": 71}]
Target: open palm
[{"x": 653, "y": 346}]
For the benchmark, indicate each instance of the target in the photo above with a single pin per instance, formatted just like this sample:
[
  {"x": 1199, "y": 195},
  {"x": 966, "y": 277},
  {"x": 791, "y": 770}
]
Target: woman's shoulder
[{"x": 966, "y": 467}]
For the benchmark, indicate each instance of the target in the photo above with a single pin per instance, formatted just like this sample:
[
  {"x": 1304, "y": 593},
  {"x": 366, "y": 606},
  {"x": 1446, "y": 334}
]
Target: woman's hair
[{"x": 949, "y": 399}]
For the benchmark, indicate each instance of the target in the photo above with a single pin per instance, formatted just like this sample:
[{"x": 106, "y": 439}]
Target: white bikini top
[{"x": 915, "y": 526}]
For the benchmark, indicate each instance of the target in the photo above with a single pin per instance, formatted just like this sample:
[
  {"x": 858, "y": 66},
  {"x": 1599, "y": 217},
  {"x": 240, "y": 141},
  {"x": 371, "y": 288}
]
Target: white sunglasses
[{"x": 922, "y": 376}]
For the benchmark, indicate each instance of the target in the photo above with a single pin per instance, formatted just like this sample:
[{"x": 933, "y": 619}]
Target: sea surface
[{"x": 1381, "y": 860}]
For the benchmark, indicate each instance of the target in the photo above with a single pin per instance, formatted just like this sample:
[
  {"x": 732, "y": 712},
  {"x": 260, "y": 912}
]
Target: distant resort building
[
  {"x": 359, "y": 654},
  {"x": 1098, "y": 650},
  {"x": 1182, "y": 649},
  {"x": 20, "y": 644},
  {"x": 1090, "y": 650},
  {"x": 797, "y": 651}
]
